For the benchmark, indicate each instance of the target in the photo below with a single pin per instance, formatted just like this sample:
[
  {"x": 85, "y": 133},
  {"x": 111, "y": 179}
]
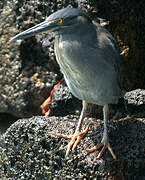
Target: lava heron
[{"x": 90, "y": 61}]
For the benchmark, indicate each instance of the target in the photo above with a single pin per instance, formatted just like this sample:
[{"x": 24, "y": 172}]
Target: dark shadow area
[{"x": 5, "y": 121}]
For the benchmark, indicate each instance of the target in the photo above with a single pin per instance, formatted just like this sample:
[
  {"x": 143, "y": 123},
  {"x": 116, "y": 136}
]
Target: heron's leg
[
  {"x": 78, "y": 135},
  {"x": 105, "y": 139}
]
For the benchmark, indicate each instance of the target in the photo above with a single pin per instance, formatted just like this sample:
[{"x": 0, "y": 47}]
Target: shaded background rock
[
  {"x": 64, "y": 103},
  {"x": 136, "y": 102},
  {"x": 27, "y": 151}
]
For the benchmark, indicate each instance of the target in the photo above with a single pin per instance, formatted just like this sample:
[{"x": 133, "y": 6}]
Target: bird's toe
[{"x": 104, "y": 147}]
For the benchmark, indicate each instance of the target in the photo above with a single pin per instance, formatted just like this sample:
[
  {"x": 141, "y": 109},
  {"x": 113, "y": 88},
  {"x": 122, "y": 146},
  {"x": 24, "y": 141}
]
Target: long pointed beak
[{"x": 45, "y": 26}]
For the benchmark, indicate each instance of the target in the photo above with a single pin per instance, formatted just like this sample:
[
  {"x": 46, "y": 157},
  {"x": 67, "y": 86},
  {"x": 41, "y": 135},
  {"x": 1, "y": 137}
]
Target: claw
[
  {"x": 105, "y": 146},
  {"x": 71, "y": 144},
  {"x": 75, "y": 139}
]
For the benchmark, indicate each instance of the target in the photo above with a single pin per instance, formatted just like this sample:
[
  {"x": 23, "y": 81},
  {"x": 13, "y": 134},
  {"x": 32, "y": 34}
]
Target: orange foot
[
  {"x": 75, "y": 139},
  {"x": 105, "y": 146},
  {"x": 45, "y": 105}
]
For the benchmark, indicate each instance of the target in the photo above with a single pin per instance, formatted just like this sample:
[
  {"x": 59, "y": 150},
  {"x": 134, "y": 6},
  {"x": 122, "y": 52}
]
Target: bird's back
[{"x": 110, "y": 49}]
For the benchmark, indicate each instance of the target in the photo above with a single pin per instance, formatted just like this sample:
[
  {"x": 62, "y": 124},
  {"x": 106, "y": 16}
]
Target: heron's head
[{"x": 59, "y": 21}]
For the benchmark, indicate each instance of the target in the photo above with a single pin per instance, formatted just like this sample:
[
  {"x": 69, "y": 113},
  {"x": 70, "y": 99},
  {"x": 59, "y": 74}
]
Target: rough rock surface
[
  {"x": 136, "y": 97},
  {"x": 27, "y": 151},
  {"x": 136, "y": 102},
  {"x": 21, "y": 87}
]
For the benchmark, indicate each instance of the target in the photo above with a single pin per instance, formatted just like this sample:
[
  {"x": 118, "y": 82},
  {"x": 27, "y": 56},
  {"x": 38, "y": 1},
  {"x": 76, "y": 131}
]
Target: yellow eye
[{"x": 60, "y": 21}]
